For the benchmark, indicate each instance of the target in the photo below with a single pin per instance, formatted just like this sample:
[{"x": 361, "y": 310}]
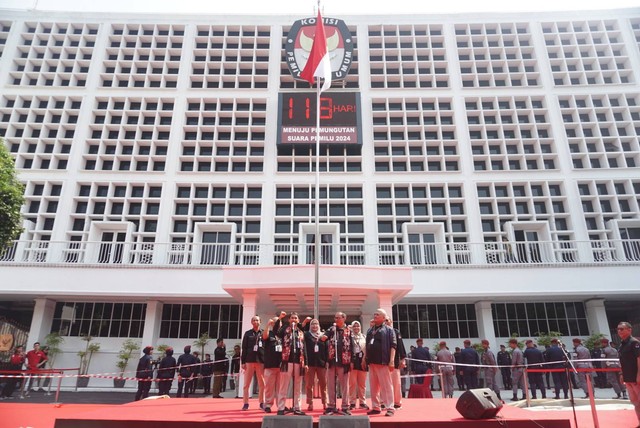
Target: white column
[
  {"x": 152, "y": 321},
  {"x": 597, "y": 317},
  {"x": 386, "y": 302},
  {"x": 248, "y": 311},
  {"x": 485, "y": 323},
  {"x": 41, "y": 322}
]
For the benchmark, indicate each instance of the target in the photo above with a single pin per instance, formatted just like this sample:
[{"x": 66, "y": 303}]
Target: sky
[{"x": 307, "y": 7}]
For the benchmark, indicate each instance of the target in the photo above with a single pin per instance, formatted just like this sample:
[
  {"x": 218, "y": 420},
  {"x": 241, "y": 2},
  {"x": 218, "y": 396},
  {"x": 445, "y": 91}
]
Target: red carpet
[{"x": 200, "y": 412}]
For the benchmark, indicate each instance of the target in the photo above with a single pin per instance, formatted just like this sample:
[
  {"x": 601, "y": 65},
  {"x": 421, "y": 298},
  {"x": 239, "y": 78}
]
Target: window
[
  {"x": 190, "y": 321},
  {"x": 532, "y": 319},
  {"x": 452, "y": 321},
  {"x": 99, "y": 319}
]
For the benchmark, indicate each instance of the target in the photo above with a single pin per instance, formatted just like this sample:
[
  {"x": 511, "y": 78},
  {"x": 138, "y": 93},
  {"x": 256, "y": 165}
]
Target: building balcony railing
[{"x": 433, "y": 255}]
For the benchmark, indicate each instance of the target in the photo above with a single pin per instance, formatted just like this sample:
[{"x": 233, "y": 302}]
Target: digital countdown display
[{"x": 339, "y": 118}]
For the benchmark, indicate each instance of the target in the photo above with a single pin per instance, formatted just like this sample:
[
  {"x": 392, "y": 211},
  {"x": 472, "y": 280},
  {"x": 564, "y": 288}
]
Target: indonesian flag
[{"x": 319, "y": 63}]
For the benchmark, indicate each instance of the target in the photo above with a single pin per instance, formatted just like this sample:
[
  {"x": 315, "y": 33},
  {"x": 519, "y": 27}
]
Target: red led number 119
[{"x": 326, "y": 108}]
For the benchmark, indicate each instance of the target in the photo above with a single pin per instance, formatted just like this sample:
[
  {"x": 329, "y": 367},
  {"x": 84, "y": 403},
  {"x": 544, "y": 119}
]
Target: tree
[
  {"x": 202, "y": 342},
  {"x": 544, "y": 338},
  {"x": 53, "y": 341},
  {"x": 11, "y": 199}
]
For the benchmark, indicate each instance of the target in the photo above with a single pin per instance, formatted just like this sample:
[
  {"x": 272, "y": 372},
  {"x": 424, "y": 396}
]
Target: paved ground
[{"x": 126, "y": 395}]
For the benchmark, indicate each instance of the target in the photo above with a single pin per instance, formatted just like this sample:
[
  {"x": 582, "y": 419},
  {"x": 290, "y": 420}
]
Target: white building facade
[{"x": 495, "y": 189}]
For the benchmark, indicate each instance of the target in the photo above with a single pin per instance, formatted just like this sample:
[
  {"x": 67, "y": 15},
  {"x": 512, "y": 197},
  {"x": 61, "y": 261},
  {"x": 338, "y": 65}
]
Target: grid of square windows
[
  {"x": 414, "y": 134},
  {"x": 333, "y": 158},
  {"x": 602, "y": 130},
  {"x": 635, "y": 26},
  {"x": 288, "y": 82},
  {"x": 605, "y": 200},
  {"x": 510, "y": 133},
  {"x": 587, "y": 53},
  {"x": 235, "y": 57},
  {"x": 143, "y": 56},
  {"x": 407, "y": 56},
  {"x": 543, "y": 201},
  {"x": 41, "y": 205},
  {"x": 340, "y": 205},
  {"x": 536, "y": 318},
  {"x": 493, "y": 55},
  {"x": 39, "y": 130},
  {"x": 54, "y": 54},
  {"x": 190, "y": 321},
  {"x": 5, "y": 28},
  {"x": 441, "y": 321},
  {"x": 129, "y": 134},
  {"x": 224, "y": 135},
  {"x": 216, "y": 204},
  {"x": 137, "y": 203},
  {"x": 74, "y": 319},
  {"x": 427, "y": 204}
]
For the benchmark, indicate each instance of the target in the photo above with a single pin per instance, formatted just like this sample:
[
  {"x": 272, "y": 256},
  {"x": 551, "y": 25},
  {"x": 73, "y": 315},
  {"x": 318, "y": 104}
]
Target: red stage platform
[
  {"x": 191, "y": 413},
  {"x": 201, "y": 412}
]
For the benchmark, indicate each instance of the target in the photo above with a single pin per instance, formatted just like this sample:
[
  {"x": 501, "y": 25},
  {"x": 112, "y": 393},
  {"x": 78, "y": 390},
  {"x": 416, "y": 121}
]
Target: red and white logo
[{"x": 339, "y": 46}]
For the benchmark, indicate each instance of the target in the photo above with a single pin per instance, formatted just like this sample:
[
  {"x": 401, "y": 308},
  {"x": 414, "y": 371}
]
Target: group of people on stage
[{"x": 288, "y": 352}]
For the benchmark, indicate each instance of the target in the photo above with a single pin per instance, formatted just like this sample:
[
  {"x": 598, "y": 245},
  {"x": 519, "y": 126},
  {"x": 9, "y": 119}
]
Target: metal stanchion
[
  {"x": 592, "y": 401},
  {"x": 58, "y": 388},
  {"x": 525, "y": 380}
]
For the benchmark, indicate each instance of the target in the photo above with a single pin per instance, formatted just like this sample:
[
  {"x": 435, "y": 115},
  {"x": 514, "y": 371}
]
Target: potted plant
[
  {"x": 129, "y": 346},
  {"x": 202, "y": 342},
  {"x": 85, "y": 359},
  {"x": 52, "y": 343}
]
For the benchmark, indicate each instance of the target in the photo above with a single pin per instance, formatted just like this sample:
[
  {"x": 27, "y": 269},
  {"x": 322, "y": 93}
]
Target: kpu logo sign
[{"x": 339, "y": 46}]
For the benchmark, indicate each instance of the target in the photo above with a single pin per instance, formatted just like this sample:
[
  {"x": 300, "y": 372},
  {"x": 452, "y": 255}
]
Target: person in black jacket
[
  {"x": 196, "y": 373},
  {"x": 471, "y": 359},
  {"x": 251, "y": 359},
  {"x": 219, "y": 360},
  {"x": 399, "y": 363},
  {"x": 235, "y": 368},
  {"x": 166, "y": 372},
  {"x": 317, "y": 354},
  {"x": 206, "y": 370},
  {"x": 504, "y": 361},
  {"x": 144, "y": 373},
  {"x": 186, "y": 363},
  {"x": 534, "y": 360},
  {"x": 272, "y": 361}
]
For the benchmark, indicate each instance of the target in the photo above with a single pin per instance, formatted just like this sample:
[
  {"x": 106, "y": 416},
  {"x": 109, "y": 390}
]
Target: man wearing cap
[
  {"x": 144, "y": 373},
  {"x": 504, "y": 361},
  {"x": 419, "y": 363},
  {"x": 610, "y": 353},
  {"x": 490, "y": 370},
  {"x": 252, "y": 362},
  {"x": 557, "y": 358},
  {"x": 630, "y": 361},
  {"x": 583, "y": 353},
  {"x": 534, "y": 359},
  {"x": 166, "y": 372},
  {"x": 471, "y": 360},
  {"x": 445, "y": 357},
  {"x": 517, "y": 369},
  {"x": 380, "y": 355}
]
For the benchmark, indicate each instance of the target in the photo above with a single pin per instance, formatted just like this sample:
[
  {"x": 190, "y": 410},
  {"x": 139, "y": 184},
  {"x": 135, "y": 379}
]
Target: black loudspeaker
[
  {"x": 344, "y": 422},
  {"x": 275, "y": 421},
  {"x": 480, "y": 403}
]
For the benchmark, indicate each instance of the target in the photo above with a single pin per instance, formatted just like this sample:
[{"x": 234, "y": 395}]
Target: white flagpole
[{"x": 318, "y": 247}]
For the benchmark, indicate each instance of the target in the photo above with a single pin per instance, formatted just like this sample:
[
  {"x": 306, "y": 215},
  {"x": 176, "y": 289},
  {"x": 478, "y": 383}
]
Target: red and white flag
[{"x": 318, "y": 64}]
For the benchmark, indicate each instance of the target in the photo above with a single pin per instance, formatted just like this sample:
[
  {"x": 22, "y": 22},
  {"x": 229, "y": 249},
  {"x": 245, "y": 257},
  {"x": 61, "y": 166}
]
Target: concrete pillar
[
  {"x": 386, "y": 302},
  {"x": 597, "y": 317},
  {"x": 152, "y": 321},
  {"x": 485, "y": 323},
  {"x": 248, "y": 311},
  {"x": 41, "y": 322}
]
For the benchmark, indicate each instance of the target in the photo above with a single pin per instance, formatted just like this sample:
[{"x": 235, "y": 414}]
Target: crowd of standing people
[{"x": 335, "y": 364}]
